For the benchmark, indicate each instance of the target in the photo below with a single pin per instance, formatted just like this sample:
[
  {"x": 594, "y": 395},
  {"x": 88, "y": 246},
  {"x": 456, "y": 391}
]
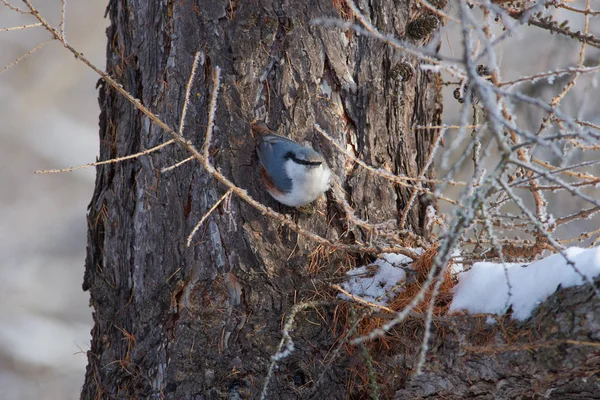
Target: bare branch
[
  {"x": 111, "y": 161},
  {"x": 205, "y": 216},
  {"x": 18, "y": 60},
  {"x": 17, "y": 28}
]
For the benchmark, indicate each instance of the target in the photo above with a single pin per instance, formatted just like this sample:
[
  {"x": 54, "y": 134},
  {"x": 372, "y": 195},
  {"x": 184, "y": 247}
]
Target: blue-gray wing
[{"x": 271, "y": 150}]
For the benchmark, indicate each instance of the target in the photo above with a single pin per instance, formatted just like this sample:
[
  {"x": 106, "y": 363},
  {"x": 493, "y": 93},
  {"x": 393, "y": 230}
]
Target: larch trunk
[{"x": 198, "y": 322}]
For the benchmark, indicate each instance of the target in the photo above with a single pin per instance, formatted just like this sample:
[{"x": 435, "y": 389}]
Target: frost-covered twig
[
  {"x": 421, "y": 178},
  {"x": 286, "y": 345}
]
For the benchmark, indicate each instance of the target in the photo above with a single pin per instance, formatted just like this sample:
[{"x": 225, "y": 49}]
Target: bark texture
[
  {"x": 202, "y": 322},
  {"x": 555, "y": 354}
]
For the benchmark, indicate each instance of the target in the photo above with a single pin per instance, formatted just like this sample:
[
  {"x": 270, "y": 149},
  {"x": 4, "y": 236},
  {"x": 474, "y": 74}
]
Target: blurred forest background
[
  {"x": 49, "y": 120},
  {"x": 49, "y": 113}
]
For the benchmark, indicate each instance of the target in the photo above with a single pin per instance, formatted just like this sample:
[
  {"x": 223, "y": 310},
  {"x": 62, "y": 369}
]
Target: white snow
[
  {"x": 431, "y": 67},
  {"x": 483, "y": 289},
  {"x": 377, "y": 284}
]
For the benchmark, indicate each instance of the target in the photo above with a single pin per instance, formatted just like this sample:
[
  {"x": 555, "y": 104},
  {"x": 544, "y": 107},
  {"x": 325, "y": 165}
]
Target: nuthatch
[{"x": 293, "y": 174}]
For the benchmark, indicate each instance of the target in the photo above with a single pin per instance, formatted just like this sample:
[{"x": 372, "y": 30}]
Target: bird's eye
[{"x": 290, "y": 155}]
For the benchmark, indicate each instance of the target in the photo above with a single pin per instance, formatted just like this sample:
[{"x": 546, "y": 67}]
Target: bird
[{"x": 293, "y": 174}]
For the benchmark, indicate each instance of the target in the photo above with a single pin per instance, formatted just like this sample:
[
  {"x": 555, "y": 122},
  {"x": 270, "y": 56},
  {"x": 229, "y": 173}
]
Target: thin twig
[
  {"x": 61, "y": 24},
  {"x": 424, "y": 170},
  {"x": 17, "y": 28},
  {"x": 7, "y": 4},
  {"x": 179, "y": 164},
  {"x": 188, "y": 90},
  {"x": 111, "y": 161},
  {"x": 15, "y": 62},
  {"x": 286, "y": 345},
  {"x": 205, "y": 216},
  {"x": 551, "y": 74},
  {"x": 361, "y": 300}
]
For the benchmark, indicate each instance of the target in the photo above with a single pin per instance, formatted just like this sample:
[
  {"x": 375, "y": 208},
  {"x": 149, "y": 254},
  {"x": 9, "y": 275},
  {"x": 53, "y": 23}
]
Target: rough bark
[
  {"x": 555, "y": 354},
  {"x": 202, "y": 322}
]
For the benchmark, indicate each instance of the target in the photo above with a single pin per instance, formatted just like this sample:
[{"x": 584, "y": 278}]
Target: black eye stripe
[{"x": 290, "y": 155}]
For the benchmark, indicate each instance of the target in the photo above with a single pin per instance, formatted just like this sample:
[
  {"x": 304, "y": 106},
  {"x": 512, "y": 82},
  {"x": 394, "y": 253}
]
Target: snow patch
[
  {"x": 376, "y": 282},
  {"x": 484, "y": 289}
]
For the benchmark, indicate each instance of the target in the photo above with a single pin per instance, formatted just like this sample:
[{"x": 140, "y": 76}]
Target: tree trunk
[{"x": 203, "y": 321}]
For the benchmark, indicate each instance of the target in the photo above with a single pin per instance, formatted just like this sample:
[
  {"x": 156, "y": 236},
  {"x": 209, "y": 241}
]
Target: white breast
[{"x": 308, "y": 184}]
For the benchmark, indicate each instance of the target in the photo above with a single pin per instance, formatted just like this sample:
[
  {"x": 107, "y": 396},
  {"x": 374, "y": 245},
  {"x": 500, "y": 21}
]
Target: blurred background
[
  {"x": 530, "y": 51},
  {"x": 49, "y": 115}
]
